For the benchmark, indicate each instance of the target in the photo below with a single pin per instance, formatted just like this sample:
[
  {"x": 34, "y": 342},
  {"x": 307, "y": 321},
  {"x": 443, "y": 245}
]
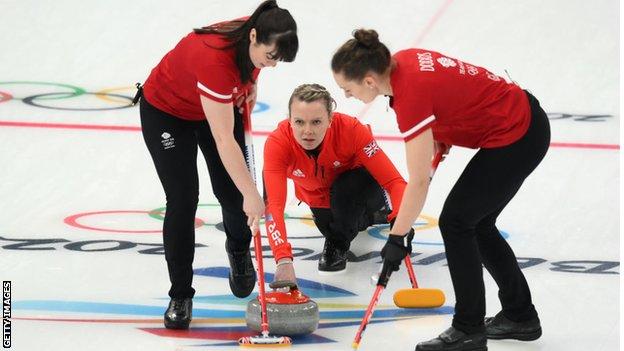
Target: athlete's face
[
  {"x": 309, "y": 122},
  {"x": 365, "y": 91},
  {"x": 261, "y": 55}
]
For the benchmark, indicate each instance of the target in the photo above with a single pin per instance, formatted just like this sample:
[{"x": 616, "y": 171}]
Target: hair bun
[{"x": 367, "y": 37}]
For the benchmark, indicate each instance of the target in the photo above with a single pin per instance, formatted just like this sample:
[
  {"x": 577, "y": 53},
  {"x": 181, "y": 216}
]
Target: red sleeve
[
  {"x": 375, "y": 160},
  {"x": 414, "y": 109},
  {"x": 274, "y": 176},
  {"x": 216, "y": 82}
]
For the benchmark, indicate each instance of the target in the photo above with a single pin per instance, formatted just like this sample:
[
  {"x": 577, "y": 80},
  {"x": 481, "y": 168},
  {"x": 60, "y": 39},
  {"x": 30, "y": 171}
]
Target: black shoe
[
  {"x": 242, "y": 274},
  {"x": 333, "y": 259},
  {"x": 455, "y": 340},
  {"x": 179, "y": 313},
  {"x": 500, "y": 327}
]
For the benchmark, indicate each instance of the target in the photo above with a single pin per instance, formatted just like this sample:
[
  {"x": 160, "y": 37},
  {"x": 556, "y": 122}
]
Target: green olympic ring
[
  {"x": 123, "y": 101},
  {"x": 31, "y": 101},
  {"x": 77, "y": 91}
]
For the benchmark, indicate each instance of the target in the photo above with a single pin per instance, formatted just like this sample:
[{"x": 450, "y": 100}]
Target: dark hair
[
  {"x": 273, "y": 25},
  {"x": 360, "y": 55}
]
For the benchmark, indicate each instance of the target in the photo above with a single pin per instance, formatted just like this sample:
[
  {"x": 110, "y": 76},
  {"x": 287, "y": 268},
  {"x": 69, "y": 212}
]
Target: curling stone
[{"x": 289, "y": 313}]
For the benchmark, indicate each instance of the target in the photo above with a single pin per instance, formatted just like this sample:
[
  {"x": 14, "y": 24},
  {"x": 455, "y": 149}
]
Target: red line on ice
[{"x": 259, "y": 133}]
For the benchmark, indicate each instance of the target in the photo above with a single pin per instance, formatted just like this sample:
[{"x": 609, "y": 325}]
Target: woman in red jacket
[
  {"x": 442, "y": 99},
  {"x": 337, "y": 169},
  {"x": 192, "y": 98}
]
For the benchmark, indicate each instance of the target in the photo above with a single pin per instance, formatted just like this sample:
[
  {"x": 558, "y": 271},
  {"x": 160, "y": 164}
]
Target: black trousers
[
  {"x": 468, "y": 226},
  {"x": 354, "y": 196},
  {"x": 172, "y": 142}
]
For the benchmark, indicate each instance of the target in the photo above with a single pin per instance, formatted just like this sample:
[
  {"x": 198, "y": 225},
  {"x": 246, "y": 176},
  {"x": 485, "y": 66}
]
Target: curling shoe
[
  {"x": 455, "y": 340},
  {"x": 179, "y": 313},
  {"x": 242, "y": 274},
  {"x": 501, "y": 327},
  {"x": 332, "y": 260}
]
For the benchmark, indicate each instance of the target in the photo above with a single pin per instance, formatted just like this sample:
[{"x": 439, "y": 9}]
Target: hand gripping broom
[
  {"x": 264, "y": 339},
  {"x": 413, "y": 298},
  {"x": 420, "y": 297}
]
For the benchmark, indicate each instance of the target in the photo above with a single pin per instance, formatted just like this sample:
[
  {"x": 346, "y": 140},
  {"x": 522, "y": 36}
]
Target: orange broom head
[
  {"x": 264, "y": 341},
  {"x": 419, "y": 298}
]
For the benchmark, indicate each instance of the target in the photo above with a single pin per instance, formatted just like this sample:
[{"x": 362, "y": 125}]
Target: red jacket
[
  {"x": 348, "y": 144},
  {"x": 197, "y": 66}
]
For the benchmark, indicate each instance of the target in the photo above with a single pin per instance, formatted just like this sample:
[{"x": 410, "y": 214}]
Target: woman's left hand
[{"x": 248, "y": 99}]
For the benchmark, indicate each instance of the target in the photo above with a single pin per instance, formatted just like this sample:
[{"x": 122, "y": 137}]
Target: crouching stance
[{"x": 337, "y": 169}]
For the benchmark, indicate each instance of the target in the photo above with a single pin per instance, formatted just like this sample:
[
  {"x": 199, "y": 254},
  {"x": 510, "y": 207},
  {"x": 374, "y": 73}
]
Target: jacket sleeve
[
  {"x": 375, "y": 160},
  {"x": 275, "y": 191}
]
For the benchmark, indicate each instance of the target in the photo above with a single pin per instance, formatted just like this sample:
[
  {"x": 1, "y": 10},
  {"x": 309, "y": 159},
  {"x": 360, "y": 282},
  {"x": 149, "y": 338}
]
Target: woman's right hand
[
  {"x": 443, "y": 148},
  {"x": 253, "y": 206}
]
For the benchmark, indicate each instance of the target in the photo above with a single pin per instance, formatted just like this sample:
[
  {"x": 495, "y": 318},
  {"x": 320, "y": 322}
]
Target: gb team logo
[
  {"x": 371, "y": 149},
  {"x": 168, "y": 141},
  {"x": 446, "y": 62}
]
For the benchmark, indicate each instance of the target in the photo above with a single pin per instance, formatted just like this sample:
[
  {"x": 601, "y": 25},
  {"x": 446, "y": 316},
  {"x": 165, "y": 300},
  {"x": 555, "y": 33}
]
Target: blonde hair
[{"x": 311, "y": 93}]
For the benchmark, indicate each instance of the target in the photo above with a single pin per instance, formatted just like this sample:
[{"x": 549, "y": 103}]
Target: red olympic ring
[
  {"x": 73, "y": 221},
  {"x": 5, "y": 96}
]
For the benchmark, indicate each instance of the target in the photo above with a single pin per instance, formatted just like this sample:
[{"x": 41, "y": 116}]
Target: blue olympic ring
[
  {"x": 375, "y": 232},
  {"x": 260, "y": 107}
]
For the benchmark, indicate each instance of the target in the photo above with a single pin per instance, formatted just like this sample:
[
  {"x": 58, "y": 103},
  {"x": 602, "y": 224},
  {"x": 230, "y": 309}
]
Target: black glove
[{"x": 395, "y": 250}]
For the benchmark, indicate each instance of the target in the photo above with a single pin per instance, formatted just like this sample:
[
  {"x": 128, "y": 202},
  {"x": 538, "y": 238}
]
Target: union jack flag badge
[{"x": 371, "y": 149}]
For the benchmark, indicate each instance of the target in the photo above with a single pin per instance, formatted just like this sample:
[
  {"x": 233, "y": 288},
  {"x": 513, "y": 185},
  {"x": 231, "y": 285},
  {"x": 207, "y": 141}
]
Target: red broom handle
[
  {"x": 249, "y": 157},
  {"x": 261, "y": 292},
  {"x": 368, "y": 315},
  {"x": 408, "y": 261},
  {"x": 410, "y": 272}
]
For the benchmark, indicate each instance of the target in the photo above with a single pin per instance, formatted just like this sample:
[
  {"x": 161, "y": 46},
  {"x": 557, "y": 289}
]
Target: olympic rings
[
  {"x": 76, "y": 91},
  {"x": 73, "y": 221},
  {"x": 158, "y": 213},
  {"x": 5, "y": 96},
  {"x": 103, "y": 94},
  {"x": 30, "y": 101},
  {"x": 376, "y": 232},
  {"x": 120, "y": 100},
  {"x": 260, "y": 107},
  {"x": 430, "y": 222}
]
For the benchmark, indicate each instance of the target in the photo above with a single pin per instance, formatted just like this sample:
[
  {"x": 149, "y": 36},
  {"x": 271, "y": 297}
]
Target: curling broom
[
  {"x": 264, "y": 339},
  {"x": 420, "y": 297}
]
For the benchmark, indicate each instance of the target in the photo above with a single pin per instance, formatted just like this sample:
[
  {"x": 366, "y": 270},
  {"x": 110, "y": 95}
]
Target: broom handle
[
  {"x": 249, "y": 150},
  {"x": 368, "y": 315},
  {"x": 434, "y": 163},
  {"x": 261, "y": 291},
  {"x": 386, "y": 272},
  {"x": 410, "y": 272},
  {"x": 249, "y": 157},
  {"x": 408, "y": 262}
]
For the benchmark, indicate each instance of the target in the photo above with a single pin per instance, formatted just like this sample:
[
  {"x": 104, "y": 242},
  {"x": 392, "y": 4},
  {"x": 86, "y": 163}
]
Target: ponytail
[
  {"x": 273, "y": 25},
  {"x": 360, "y": 55}
]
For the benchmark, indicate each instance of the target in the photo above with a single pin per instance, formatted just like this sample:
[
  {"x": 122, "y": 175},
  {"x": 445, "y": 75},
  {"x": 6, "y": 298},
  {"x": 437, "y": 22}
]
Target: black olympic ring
[{"x": 30, "y": 101}]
